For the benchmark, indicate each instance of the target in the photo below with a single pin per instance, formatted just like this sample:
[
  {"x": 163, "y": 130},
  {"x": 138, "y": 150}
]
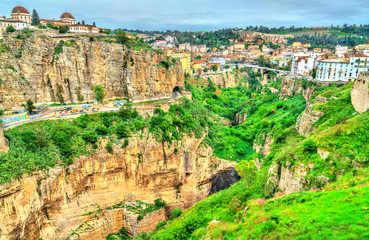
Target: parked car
[{"x": 5, "y": 126}]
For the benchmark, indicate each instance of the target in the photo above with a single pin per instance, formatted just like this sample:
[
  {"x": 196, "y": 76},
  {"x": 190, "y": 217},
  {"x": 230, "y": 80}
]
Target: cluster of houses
[
  {"x": 340, "y": 64},
  {"x": 22, "y": 19},
  {"x": 343, "y": 64}
]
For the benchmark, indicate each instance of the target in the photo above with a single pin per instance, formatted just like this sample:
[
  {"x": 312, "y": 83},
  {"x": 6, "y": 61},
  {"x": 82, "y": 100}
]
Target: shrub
[
  {"x": 160, "y": 225},
  {"x": 175, "y": 213},
  {"x": 90, "y": 136},
  {"x": 309, "y": 146},
  {"x": 109, "y": 147},
  {"x": 125, "y": 144},
  {"x": 10, "y": 29},
  {"x": 107, "y": 121},
  {"x": 159, "y": 203},
  {"x": 139, "y": 217},
  {"x": 101, "y": 130},
  {"x": 63, "y": 29},
  {"x": 122, "y": 131}
]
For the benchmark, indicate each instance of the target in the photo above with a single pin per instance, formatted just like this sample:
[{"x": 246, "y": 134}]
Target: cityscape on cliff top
[{"x": 235, "y": 123}]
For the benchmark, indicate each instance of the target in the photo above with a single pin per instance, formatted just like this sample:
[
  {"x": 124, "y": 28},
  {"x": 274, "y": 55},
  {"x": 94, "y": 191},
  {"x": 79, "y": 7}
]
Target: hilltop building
[{"x": 21, "y": 19}]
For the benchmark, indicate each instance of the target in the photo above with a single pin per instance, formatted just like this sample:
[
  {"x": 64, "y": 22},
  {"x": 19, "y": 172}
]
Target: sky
[{"x": 195, "y": 15}]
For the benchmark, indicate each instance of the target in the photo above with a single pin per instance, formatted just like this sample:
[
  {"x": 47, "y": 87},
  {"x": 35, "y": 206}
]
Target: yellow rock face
[
  {"x": 33, "y": 68},
  {"x": 80, "y": 202}
]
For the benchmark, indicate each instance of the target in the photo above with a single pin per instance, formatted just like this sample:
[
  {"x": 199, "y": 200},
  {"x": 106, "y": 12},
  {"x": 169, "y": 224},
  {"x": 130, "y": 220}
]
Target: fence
[{"x": 14, "y": 119}]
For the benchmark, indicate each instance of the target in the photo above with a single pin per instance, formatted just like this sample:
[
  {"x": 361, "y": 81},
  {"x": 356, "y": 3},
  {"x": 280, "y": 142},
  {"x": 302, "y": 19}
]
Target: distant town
[
  {"x": 254, "y": 46},
  {"x": 343, "y": 63}
]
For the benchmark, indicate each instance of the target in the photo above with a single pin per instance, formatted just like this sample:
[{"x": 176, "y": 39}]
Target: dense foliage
[{"x": 328, "y": 40}]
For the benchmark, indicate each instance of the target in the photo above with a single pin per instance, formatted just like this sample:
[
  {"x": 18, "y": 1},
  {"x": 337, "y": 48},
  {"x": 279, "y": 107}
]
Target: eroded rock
[{"x": 360, "y": 93}]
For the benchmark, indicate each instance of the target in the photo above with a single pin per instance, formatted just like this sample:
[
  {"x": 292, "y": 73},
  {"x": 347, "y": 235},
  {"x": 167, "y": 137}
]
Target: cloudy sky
[{"x": 200, "y": 14}]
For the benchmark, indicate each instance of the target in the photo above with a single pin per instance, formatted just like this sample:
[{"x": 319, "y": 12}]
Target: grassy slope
[{"x": 340, "y": 211}]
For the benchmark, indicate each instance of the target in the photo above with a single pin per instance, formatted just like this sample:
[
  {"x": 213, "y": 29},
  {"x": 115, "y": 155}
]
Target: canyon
[{"x": 89, "y": 199}]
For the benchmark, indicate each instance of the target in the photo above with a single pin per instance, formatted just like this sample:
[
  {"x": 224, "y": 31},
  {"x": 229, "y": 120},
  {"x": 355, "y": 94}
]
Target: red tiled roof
[
  {"x": 198, "y": 62},
  {"x": 20, "y": 9},
  {"x": 66, "y": 15}
]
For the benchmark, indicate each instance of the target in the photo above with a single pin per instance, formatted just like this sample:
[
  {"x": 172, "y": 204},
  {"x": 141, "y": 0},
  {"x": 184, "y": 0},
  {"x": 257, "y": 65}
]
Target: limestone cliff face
[
  {"x": 287, "y": 179},
  {"x": 306, "y": 120},
  {"x": 227, "y": 79},
  {"x": 290, "y": 87},
  {"x": 239, "y": 118},
  {"x": 360, "y": 93},
  {"x": 262, "y": 144},
  {"x": 38, "y": 67},
  {"x": 85, "y": 200},
  {"x": 3, "y": 144}
]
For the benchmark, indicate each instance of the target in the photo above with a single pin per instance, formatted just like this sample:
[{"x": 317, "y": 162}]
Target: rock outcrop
[
  {"x": 227, "y": 79},
  {"x": 42, "y": 68},
  {"x": 360, "y": 93},
  {"x": 239, "y": 118},
  {"x": 306, "y": 120},
  {"x": 287, "y": 179},
  {"x": 3, "y": 143},
  {"x": 290, "y": 87},
  {"x": 87, "y": 200},
  {"x": 262, "y": 144}
]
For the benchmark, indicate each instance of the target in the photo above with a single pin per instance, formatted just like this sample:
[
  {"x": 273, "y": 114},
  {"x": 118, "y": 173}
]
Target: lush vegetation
[
  {"x": 44, "y": 144},
  {"x": 329, "y": 40}
]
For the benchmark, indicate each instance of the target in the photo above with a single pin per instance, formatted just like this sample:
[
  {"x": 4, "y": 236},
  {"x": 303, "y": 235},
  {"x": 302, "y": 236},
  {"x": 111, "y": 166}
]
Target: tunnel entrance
[{"x": 176, "y": 92}]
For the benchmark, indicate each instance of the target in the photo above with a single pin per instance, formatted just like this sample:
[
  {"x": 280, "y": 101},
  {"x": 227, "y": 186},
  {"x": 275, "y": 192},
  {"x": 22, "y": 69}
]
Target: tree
[
  {"x": 29, "y": 106},
  {"x": 313, "y": 73},
  {"x": 83, "y": 22},
  {"x": 59, "y": 93},
  {"x": 52, "y": 26},
  {"x": 35, "y": 18},
  {"x": 198, "y": 57},
  {"x": 63, "y": 29},
  {"x": 10, "y": 29},
  {"x": 214, "y": 68},
  {"x": 80, "y": 97},
  {"x": 94, "y": 24},
  {"x": 99, "y": 93}
]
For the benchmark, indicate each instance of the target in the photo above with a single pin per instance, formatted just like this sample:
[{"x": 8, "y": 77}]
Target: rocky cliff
[
  {"x": 360, "y": 93},
  {"x": 290, "y": 87},
  {"x": 90, "y": 199},
  {"x": 227, "y": 79},
  {"x": 42, "y": 68},
  {"x": 3, "y": 144},
  {"x": 305, "y": 122}
]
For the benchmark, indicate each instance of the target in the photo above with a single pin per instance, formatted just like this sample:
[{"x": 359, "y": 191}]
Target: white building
[
  {"x": 20, "y": 19},
  {"x": 302, "y": 65},
  {"x": 171, "y": 39},
  {"x": 341, "y": 50},
  {"x": 221, "y": 61},
  {"x": 341, "y": 70},
  {"x": 79, "y": 28}
]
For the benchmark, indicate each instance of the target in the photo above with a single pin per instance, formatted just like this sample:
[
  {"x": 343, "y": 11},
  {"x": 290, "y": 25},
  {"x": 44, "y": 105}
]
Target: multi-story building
[
  {"x": 79, "y": 28},
  {"x": 20, "y": 19},
  {"x": 341, "y": 50},
  {"x": 342, "y": 70},
  {"x": 185, "y": 59}
]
